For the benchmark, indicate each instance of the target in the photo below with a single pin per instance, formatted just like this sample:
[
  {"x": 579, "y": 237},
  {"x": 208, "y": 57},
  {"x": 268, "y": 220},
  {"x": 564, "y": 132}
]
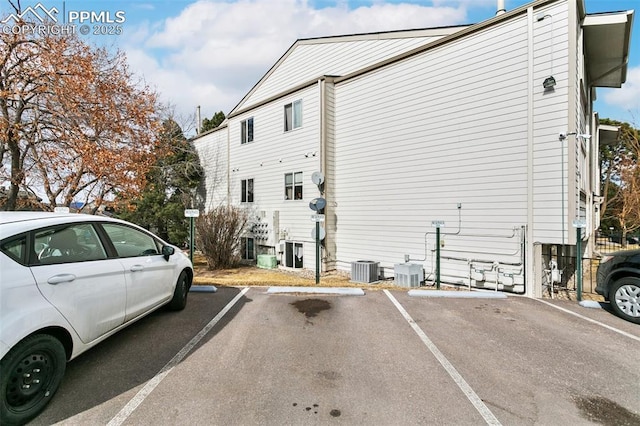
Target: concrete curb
[
  {"x": 590, "y": 304},
  {"x": 458, "y": 294},
  {"x": 203, "y": 289},
  {"x": 345, "y": 291}
]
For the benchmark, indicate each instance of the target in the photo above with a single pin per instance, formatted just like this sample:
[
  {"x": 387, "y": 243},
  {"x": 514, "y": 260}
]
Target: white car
[{"x": 67, "y": 282}]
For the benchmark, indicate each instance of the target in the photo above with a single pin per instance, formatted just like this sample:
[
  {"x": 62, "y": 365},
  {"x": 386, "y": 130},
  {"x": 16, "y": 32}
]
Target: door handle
[
  {"x": 62, "y": 278},
  {"x": 136, "y": 268}
]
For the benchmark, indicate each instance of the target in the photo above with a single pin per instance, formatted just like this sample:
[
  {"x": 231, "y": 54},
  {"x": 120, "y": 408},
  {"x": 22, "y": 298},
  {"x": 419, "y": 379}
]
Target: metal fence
[
  {"x": 565, "y": 282},
  {"x": 608, "y": 241}
]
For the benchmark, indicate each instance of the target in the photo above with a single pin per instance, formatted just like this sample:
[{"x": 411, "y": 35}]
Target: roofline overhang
[
  {"x": 608, "y": 134},
  {"x": 607, "y": 62}
]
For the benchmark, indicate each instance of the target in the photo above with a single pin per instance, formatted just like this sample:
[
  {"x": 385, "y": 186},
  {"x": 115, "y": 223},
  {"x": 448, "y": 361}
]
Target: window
[
  {"x": 293, "y": 186},
  {"x": 293, "y": 115},
  {"x": 73, "y": 243},
  {"x": 247, "y": 191},
  {"x": 246, "y": 131},
  {"x": 130, "y": 242},
  {"x": 16, "y": 249},
  {"x": 248, "y": 252},
  {"x": 293, "y": 255}
]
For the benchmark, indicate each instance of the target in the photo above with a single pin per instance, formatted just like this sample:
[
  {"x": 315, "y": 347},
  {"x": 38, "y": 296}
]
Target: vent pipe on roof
[
  {"x": 198, "y": 122},
  {"x": 501, "y": 8}
]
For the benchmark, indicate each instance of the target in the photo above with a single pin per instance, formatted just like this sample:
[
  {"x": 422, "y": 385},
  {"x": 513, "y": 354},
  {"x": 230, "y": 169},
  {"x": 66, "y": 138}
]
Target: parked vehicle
[
  {"x": 618, "y": 280},
  {"x": 68, "y": 282},
  {"x": 618, "y": 239}
]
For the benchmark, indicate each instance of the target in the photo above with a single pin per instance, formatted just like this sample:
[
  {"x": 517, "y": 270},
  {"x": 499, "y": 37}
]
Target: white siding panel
[
  {"x": 213, "y": 155},
  {"x": 418, "y": 137},
  {"x": 550, "y": 118},
  {"x": 271, "y": 155},
  {"x": 311, "y": 60}
]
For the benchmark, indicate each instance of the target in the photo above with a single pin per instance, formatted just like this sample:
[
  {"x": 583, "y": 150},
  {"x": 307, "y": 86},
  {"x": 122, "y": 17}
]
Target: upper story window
[
  {"x": 293, "y": 186},
  {"x": 247, "y": 191},
  {"x": 246, "y": 131},
  {"x": 293, "y": 115}
]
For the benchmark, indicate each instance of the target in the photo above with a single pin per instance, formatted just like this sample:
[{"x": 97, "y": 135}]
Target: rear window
[{"x": 16, "y": 248}]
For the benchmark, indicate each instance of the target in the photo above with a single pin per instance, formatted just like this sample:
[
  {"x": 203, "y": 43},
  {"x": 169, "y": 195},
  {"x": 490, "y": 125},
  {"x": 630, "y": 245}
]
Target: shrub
[{"x": 219, "y": 234}]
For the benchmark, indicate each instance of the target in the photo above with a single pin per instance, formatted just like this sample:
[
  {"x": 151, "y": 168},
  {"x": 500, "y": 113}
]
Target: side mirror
[{"x": 167, "y": 251}]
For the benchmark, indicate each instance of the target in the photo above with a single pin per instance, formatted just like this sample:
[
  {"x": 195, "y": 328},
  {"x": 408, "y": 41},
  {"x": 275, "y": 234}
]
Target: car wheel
[
  {"x": 625, "y": 298},
  {"x": 179, "y": 300},
  {"x": 31, "y": 374}
]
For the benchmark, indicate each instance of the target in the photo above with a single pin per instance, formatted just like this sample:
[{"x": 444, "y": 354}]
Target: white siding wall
[
  {"x": 212, "y": 151},
  {"x": 310, "y": 60},
  {"x": 550, "y": 118},
  {"x": 449, "y": 126},
  {"x": 274, "y": 153}
]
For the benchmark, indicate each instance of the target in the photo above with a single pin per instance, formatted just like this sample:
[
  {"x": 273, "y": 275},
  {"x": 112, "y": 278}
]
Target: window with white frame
[
  {"x": 247, "y": 191},
  {"x": 246, "y": 131},
  {"x": 293, "y": 254},
  {"x": 293, "y": 115},
  {"x": 248, "y": 248},
  {"x": 293, "y": 186}
]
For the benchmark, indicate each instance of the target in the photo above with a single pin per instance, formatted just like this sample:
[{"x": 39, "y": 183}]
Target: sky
[{"x": 212, "y": 52}]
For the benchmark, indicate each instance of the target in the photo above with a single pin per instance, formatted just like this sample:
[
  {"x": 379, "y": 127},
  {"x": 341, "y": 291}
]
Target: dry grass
[{"x": 254, "y": 276}]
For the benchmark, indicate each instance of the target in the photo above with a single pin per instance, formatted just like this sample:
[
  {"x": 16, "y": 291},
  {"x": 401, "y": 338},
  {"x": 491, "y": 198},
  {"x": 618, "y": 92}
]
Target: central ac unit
[
  {"x": 408, "y": 274},
  {"x": 364, "y": 271}
]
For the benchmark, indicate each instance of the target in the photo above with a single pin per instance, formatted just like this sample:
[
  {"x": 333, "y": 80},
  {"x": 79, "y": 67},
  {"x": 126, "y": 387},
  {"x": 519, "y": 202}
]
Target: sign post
[
  {"x": 579, "y": 224},
  {"x": 191, "y": 214},
  {"x": 437, "y": 224}
]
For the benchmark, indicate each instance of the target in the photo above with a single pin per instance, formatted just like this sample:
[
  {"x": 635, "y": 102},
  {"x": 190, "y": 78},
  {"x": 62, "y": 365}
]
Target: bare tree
[{"x": 74, "y": 123}]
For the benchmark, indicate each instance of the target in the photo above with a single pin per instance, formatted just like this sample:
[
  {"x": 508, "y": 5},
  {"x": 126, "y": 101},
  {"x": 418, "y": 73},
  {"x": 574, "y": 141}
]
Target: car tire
[
  {"x": 624, "y": 297},
  {"x": 31, "y": 373},
  {"x": 179, "y": 300}
]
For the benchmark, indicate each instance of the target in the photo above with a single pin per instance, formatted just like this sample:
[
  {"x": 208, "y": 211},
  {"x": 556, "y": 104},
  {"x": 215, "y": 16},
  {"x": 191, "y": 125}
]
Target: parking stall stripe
[
  {"x": 155, "y": 381},
  {"x": 624, "y": 333},
  {"x": 484, "y": 411}
]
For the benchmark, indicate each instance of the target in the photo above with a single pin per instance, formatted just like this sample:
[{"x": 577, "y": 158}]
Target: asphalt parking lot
[{"x": 384, "y": 358}]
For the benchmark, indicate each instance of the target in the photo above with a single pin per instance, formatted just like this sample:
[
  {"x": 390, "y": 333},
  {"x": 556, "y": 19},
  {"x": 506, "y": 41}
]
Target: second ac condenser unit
[{"x": 408, "y": 274}]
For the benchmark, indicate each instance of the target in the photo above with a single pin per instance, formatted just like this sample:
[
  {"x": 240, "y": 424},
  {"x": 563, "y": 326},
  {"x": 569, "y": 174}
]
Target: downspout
[
  {"x": 228, "y": 166},
  {"x": 528, "y": 232},
  {"x": 323, "y": 144},
  {"x": 323, "y": 127},
  {"x": 572, "y": 150}
]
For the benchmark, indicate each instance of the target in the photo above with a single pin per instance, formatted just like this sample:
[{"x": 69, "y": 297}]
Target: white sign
[
  {"x": 61, "y": 209},
  {"x": 437, "y": 223},
  {"x": 578, "y": 223},
  {"x": 317, "y": 218},
  {"x": 191, "y": 213}
]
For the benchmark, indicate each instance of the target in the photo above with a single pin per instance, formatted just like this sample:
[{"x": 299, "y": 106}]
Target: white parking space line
[
  {"x": 624, "y": 333},
  {"x": 484, "y": 411},
  {"x": 142, "y": 394}
]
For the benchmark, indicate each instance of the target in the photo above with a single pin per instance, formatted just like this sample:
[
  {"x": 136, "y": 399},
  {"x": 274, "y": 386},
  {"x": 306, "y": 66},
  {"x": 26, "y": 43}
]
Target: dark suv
[{"x": 619, "y": 283}]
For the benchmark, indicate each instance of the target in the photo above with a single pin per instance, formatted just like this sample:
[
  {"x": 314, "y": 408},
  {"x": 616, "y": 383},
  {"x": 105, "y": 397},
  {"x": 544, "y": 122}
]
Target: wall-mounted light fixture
[
  {"x": 549, "y": 82},
  {"x": 563, "y": 136}
]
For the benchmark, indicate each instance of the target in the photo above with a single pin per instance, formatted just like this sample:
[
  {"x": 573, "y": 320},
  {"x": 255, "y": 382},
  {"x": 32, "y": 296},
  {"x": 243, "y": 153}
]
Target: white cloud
[
  {"x": 627, "y": 97},
  {"x": 213, "y": 52}
]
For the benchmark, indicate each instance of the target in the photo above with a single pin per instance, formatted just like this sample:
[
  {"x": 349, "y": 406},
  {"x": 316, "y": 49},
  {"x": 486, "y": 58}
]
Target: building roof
[
  {"x": 606, "y": 37},
  {"x": 310, "y": 59},
  {"x": 607, "y": 41}
]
